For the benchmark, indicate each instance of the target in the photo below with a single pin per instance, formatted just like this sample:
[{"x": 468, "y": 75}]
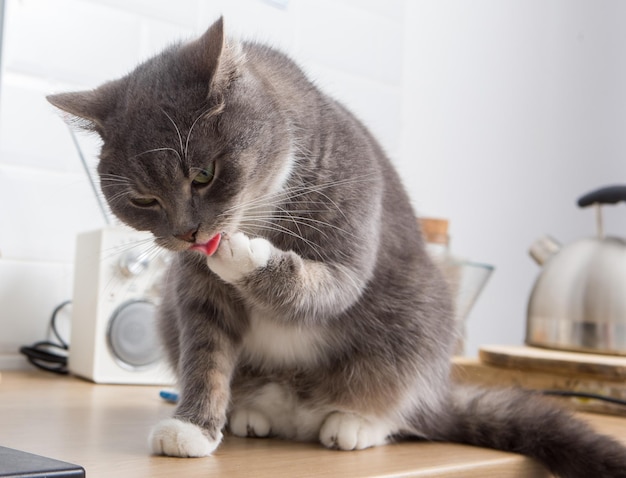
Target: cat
[{"x": 300, "y": 302}]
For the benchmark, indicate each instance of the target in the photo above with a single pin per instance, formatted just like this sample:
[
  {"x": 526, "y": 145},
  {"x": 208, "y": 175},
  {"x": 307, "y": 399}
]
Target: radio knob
[{"x": 133, "y": 263}]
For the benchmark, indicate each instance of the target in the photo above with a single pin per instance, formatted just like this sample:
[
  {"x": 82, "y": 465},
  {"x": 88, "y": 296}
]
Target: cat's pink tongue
[{"x": 210, "y": 247}]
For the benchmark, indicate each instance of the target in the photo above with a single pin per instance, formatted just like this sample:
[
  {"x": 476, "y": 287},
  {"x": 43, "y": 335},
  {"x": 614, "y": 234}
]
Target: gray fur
[{"x": 347, "y": 273}]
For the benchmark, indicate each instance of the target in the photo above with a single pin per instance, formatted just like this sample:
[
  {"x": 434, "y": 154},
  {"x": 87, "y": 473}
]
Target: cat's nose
[{"x": 189, "y": 236}]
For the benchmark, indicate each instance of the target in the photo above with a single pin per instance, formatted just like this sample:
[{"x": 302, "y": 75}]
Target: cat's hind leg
[
  {"x": 349, "y": 431},
  {"x": 247, "y": 422}
]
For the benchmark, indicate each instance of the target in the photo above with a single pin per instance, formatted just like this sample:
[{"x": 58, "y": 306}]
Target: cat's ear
[
  {"x": 214, "y": 58},
  {"x": 88, "y": 109}
]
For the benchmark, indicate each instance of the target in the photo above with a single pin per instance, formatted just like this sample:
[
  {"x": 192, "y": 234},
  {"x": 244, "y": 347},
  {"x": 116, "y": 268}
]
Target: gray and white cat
[{"x": 301, "y": 302}]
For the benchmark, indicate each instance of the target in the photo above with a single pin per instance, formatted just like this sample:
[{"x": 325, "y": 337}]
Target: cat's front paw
[
  {"x": 238, "y": 256},
  {"x": 347, "y": 431},
  {"x": 174, "y": 437}
]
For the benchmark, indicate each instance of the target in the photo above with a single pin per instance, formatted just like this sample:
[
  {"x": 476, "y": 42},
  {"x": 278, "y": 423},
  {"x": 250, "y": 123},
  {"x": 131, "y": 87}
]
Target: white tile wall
[
  {"x": 24, "y": 111},
  {"x": 181, "y": 12},
  {"x": 259, "y": 21},
  {"x": 353, "y": 48},
  {"x": 46, "y": 207},
  {"x": 70, "y": 40},
  {"x": 29, "y": 291},
  {"x": 352, "y": 40}
]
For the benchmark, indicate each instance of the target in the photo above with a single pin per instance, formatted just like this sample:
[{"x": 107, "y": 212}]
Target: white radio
[{"x": 117, "y": 272}]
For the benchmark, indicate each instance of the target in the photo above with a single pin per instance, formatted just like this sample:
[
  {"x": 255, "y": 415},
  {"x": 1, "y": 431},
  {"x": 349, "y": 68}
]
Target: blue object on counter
[{"x": 169, "y": 396}]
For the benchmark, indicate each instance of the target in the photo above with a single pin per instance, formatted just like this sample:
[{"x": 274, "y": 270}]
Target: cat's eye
[
  {"x": 144, "y": 201},
  {"x": 205, "y": 176}
]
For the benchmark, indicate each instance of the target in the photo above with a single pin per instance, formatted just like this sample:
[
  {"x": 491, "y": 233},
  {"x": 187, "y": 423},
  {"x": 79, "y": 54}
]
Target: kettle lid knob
[{"x": 605, "y": 195}]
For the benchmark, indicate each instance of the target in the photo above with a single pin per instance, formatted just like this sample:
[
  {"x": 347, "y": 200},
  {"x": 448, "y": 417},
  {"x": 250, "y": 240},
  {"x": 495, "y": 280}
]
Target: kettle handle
[{"x": 605, "y": 195}]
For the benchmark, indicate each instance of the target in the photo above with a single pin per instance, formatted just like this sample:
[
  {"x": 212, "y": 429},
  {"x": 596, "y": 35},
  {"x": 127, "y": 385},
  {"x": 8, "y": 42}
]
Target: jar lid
[{"x": 435, "y": 229}]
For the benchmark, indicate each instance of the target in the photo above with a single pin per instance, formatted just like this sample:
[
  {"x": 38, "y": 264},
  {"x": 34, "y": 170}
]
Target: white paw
[
  {"x": 245, "y": 422},
  {"x": 238, "y": 255},
  {"x": 346, "y": 431},
  {"x": 174, "y": 437}
]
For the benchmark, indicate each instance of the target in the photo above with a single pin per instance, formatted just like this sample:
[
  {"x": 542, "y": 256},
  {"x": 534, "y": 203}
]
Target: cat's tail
[{"x": 523, "y": 422}]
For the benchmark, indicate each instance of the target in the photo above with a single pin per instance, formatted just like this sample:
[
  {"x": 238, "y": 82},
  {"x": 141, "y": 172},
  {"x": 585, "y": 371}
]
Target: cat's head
[{"x": 190, "y": 137}]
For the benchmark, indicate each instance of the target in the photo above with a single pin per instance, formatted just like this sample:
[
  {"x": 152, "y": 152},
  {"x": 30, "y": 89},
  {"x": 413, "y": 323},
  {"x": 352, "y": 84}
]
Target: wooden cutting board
[
  {"x": 524, "y": 358},
  {"x": 542, "y": 369}
]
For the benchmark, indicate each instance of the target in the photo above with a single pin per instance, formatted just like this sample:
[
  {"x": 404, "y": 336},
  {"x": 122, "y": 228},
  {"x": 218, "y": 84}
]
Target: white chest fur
[{"x": 270, "y": 343}]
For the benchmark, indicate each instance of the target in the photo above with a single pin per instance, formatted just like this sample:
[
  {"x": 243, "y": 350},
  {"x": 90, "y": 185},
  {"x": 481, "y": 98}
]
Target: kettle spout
[{"x": 543, "y": 249}]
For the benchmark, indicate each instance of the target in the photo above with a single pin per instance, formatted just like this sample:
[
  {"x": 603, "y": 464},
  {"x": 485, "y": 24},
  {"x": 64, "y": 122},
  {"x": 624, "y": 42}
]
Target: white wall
[
  {"x": 352, "y": 48},
  {"x": 513, "y": 110},
  {"x": 499, "y": 114}
]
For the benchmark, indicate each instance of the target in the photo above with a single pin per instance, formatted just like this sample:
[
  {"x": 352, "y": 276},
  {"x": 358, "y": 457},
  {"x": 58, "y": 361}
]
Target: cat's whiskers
[
  {"x": 260, "y": 201},
  {"x": 300, "y": 190},
  {"x": 145, "y": 249},
  {"x": 108, "y": 186},
  {"x": 183, "y": 156},
  {"x": 167, "y": 277},
  {"x": 189, "y": 136},
  {"x": 287, "y": 215},
  {"x": 305, "y": 220},
  {"x": 262, "y": 219},
  {"x": 291, "y": 193},
  {"x": 319, "y": 188},
  {"x": 284, "y": 214},
  {"x": 270, "y": 212},
  {"x": 180, "y": 137},
  {"x": 118, "y": 196},
  {"x": 154, "y": 150},
  {"x": 207, "y": 113},
  {"x": 292, "y": 215},
  {"x": 297, "y": 221},
  {"x": 273, "y": 227},
  {"x": 113, "y": 176},
  {"x": 138, "y": 244},
  {"x": 275, "y": 195},
  {"x": 295, "y": 211},
  {"x": 114, "y": 182}
]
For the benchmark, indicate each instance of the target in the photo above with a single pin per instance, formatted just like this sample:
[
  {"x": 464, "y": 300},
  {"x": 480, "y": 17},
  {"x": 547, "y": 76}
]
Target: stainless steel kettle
[{"x": 579, "y": 300}]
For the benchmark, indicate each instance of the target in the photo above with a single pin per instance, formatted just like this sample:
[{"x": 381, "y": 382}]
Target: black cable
[
  {"x": 593, "y": 396},
  {"x": 53, "y": 323},
  {"x": 46, "y": 355}
]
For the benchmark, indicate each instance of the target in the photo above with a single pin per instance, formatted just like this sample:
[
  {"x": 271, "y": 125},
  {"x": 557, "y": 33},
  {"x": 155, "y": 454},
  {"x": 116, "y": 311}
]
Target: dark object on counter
[{"x": 16, "y": 463}]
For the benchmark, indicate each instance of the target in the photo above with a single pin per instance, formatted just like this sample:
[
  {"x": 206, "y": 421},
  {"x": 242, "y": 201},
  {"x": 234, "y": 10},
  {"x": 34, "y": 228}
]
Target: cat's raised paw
[
  {"x": 174, "y": 437},
  {"x": 245, "y": 422},
  {"x": 347, "y": 431},
  {"x": 238, "y": 255}
]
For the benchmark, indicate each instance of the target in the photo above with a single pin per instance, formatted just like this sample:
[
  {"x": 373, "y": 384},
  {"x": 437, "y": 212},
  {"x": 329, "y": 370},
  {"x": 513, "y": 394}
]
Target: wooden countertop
[{"x": 104, "y": 428}]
